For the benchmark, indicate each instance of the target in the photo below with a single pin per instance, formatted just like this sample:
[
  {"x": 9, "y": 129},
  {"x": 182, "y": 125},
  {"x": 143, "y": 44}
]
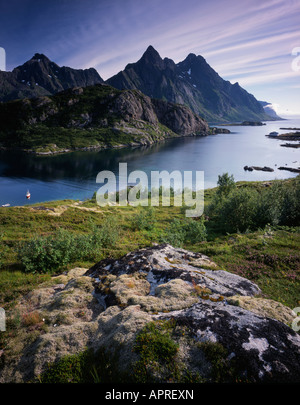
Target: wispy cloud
[
  {"x": 249, "y": 41},
  {"x": 266, "y": 78}
]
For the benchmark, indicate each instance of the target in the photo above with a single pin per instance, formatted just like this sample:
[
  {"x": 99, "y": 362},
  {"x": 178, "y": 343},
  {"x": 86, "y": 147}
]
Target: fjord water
[{"x": 73, "y": 175}]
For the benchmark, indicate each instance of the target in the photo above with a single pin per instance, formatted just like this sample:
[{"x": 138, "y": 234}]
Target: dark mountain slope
[
  {"x": 97, "y": 116},
  {"x": 39, "y": 76},
  {"x": 191, "y": 82}
]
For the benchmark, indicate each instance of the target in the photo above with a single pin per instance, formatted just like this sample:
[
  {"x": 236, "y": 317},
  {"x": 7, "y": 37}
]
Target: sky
[{"x": 253, "y": 42}]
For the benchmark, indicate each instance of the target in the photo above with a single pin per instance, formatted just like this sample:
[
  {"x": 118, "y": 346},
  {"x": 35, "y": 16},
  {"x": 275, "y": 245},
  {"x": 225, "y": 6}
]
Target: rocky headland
[
  {"x": 252, "y": 123},
  {"x": 93, "y": 117}
]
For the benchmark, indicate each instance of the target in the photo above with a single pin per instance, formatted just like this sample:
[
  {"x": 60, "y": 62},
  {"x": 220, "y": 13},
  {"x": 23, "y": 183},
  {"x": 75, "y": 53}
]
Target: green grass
[
  {"x": 15, "y": 284},
  {"x": 269, "y": 257}
]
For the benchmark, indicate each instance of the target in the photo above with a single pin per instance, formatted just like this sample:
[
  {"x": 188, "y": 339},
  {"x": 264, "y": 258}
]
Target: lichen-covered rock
[
  {"x": 162, "y": 263},
  {"x": 110, "y": 304},
  {"x": 263, "y": 349},
  {"x": 55, "y": 320}
]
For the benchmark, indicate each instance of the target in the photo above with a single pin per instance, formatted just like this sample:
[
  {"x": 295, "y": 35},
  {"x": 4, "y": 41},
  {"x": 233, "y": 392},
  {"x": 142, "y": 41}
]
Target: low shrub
[
  {"x": 237, "y": 211},
  {"x": 107, "y": 233},
  {"x": 240, "y": 209},
  {"x": 226, "y": 184},
  {"x": 144, "y": 219},
  {"x": 186, "y": 230},
  {"x": 157, "y": 351},
  {"x": 85, "y": 368},
  {"x": 290, "y": 209},
  {"x": 45, "y": 254}
]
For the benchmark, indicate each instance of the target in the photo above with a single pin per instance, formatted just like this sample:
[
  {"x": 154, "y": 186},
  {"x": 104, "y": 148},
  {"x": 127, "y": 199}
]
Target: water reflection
[
  {"x": 73, "y": 175},
  {"x": 77, "y": 165}
]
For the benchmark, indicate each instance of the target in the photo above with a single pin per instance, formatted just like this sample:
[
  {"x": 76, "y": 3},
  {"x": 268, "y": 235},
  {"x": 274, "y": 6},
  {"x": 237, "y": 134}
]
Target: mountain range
[{"x": 192, "y": 83}]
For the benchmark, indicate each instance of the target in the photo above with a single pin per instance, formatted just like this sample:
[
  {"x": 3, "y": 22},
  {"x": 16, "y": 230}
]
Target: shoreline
[
  {"x": 15, "y": 199},
  {"x": 77, "y": 201},
  {"x": 98, "y": 148}
]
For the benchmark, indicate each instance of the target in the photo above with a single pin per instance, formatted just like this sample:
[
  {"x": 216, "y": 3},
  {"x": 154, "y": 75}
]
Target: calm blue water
[{"x": 74, "y": 175}]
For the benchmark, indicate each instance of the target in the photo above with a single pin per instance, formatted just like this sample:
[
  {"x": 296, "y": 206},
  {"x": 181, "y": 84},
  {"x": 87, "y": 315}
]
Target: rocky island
[
  {"x": 289, "y": 136},
  {"x": 291, "y": 145},
  {"x": 253, "y": 123},
  {"x": 264, "y": 168}
]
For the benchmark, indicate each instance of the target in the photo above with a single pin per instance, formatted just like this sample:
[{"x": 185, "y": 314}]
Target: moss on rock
[{"x": 264, "y": 307}]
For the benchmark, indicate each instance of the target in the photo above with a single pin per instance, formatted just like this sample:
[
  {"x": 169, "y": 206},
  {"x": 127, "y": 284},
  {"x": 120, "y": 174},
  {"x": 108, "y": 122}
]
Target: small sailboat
[{"x": 28, "y": 195}]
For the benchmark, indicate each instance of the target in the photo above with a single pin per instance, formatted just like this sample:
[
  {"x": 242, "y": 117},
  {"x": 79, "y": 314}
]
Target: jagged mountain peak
[
  {"x": 197, "y": 63},
  {"x": 151, "y": 56},
  {"x": 151, "y": 50},
  {"x": 38, "y": 59},
  {"x": 40, "y": 56},
  {"x": 191, "y": 57}
]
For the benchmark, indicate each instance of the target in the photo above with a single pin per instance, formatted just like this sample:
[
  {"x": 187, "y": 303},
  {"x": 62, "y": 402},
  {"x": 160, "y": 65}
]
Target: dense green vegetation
[
  {"x": 75, "y": 119},
  {"x": 46, "y": 254},
  {"x": 40, "y": 124},
  {"x": 40, "y": 138},
  {"x": 239, "y": 209},
  {"x": 248, "y": 228}
]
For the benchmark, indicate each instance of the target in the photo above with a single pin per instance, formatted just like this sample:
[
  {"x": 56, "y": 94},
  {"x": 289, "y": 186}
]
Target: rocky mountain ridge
[
  {"x": 191, "y": 82},
  {"x": 270, "y": 110},
  {"x": 41, "y": 77}
]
